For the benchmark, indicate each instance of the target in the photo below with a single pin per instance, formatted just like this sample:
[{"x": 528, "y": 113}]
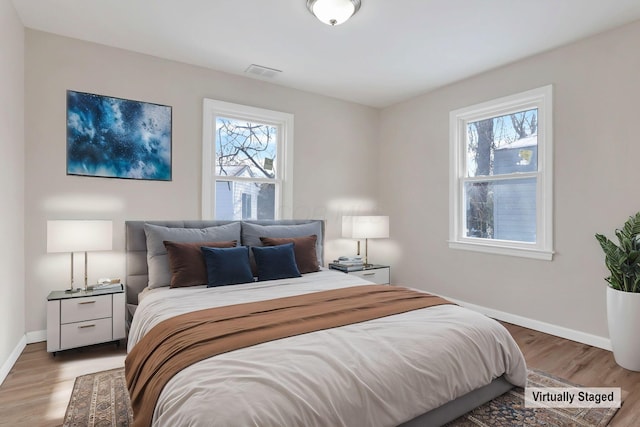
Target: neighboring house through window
[
  {"x": 247, "y": 162},
  {"x": 247, "y": 212},
  {"x": 501, "y": 176}
]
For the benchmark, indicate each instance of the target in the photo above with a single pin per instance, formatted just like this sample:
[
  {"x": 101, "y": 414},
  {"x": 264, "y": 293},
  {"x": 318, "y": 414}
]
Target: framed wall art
[{"x": 117, "y": 138}]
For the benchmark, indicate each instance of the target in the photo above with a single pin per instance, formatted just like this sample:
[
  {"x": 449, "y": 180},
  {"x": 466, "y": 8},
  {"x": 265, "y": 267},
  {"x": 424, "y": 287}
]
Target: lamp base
[{"x": 72, "y": 291}]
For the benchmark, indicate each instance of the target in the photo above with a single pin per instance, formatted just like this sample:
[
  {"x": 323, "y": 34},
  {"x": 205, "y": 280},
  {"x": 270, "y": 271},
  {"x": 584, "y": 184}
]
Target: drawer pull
[
  {"x": 87, "y": 302},
  {"x": 86, "y": 326},
  {"x": 369, "y": 274}
]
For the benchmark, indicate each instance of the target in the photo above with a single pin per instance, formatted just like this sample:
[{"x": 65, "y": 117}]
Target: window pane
[
  {"x": 503, "y": 144},
  {"x": 244, "y": 200},
  {"x": 245, "y": 148},
  {"x": 504, "y": 210}
]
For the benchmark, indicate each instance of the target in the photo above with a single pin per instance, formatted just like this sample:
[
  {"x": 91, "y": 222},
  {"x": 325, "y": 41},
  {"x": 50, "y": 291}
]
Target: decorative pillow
[
  {"x": 276, "y": 262},
  {"x": 251, "y": 233},
  {"x": 227, "y": 266},
  {"x": 157, "y": 259},
  {"x": 186, "y": 262},
  {"x": 304, "y": 249}
]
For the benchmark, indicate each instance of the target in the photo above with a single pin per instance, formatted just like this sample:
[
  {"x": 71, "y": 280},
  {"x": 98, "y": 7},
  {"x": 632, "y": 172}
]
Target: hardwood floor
[
  {"x": 581, "y": 364},
  {"x": 37, "y": 389}
]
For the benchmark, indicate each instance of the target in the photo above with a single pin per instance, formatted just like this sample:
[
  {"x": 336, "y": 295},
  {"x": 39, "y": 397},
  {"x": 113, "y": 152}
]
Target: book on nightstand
[
  {"x": 348, "y": 260},
  {"x": 106, "y": 286},
  {"x": 346, "y": 267}
]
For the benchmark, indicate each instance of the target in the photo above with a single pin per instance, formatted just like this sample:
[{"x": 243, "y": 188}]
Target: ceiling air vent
[{"x": 261, "y": 71}]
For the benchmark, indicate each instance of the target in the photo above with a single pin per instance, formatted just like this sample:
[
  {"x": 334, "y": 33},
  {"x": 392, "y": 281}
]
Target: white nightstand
[
  {"x": 84, "y": 318},
  {"x": 379, "y": 274}
]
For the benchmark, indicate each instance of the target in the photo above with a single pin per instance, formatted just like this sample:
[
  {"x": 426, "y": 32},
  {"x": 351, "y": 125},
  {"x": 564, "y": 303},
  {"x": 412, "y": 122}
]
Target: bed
[{"x": 419, "y": 367}]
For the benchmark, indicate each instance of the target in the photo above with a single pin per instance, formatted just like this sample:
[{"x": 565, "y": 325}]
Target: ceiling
[{"x": 388, "y": 52}]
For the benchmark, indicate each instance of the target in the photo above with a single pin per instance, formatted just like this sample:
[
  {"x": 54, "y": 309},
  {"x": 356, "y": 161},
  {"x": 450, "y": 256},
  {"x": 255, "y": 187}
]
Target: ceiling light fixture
[{"x": 333, "y": 12}]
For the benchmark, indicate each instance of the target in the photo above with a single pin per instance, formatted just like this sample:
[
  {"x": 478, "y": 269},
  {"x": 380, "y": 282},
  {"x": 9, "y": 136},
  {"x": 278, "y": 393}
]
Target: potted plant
[{"x": 623, "y": 292}]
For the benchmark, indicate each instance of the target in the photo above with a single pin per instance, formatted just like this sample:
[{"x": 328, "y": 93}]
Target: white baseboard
[
  {"x": 13, "y": 357},
  {"x": 537, "y": 325},
  {"x": 28, "y": 338},
  {"x": 36, "y": 336}
]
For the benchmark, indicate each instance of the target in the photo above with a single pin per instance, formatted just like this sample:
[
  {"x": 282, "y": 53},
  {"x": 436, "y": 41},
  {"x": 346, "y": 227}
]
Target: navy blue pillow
[
  {"x": 227, "y": 266},
  {"x": 275, "y": 262}
]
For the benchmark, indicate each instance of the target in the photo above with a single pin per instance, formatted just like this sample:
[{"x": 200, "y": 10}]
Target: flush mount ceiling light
[{"x": 333, "y": 12}]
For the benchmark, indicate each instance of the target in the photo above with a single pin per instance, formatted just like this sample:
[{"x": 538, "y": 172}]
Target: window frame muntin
[
  {"x": 540, "y": 98},
  {"x": 283, "y": 181}
]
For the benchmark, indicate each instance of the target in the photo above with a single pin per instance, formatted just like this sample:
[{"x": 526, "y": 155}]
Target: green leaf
[{"x": 623, "y": 259}]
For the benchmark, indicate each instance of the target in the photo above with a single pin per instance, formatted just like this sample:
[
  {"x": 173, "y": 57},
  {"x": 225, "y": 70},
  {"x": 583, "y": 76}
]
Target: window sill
[{"x": 503, "y": 250}]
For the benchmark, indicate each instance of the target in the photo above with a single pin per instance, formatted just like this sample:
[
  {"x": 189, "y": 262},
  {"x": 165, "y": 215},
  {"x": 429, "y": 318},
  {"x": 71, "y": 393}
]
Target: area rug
[
  {"x": 508, "y": 410},
  {"x": 102, "y": 400}
]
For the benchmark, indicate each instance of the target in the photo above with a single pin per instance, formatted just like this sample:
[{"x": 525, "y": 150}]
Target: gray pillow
[
  {"x": 251, "y": 233},
  {"x": 157, "y": 258}
]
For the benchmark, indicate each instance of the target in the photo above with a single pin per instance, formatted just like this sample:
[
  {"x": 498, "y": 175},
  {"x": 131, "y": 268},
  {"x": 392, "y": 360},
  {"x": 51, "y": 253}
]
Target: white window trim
[
  {"x": 210, "y": 110},
  {"x": 540, "y": 98}
]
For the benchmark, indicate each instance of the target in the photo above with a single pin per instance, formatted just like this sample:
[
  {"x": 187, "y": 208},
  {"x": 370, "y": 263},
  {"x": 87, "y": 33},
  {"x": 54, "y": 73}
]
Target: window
[
  {"x": 501, "y": 176},
  {"x": 247, "y": 162}
]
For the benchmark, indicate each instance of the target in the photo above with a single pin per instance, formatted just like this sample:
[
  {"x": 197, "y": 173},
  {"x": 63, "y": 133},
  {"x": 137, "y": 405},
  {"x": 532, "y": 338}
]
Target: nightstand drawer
[
  {"x": 80, "y": 309},
  {"x": 378, "y": 275},
  {"x": 85, "y": 333}
]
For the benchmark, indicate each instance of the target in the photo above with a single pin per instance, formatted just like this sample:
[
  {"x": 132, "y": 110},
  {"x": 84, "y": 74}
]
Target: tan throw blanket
[{"x": 176, "y": 343}]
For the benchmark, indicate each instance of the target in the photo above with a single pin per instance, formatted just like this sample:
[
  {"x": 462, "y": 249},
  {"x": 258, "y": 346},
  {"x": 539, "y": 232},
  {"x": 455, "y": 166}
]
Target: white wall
[
  {"x": 12, "y": 288},
  {"x": 334, "y": 156},
  {"x": 597, "y": 152}
]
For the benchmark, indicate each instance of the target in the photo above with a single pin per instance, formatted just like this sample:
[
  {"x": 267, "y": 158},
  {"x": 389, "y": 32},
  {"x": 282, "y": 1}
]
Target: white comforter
[{"x": 382, "y": 372}]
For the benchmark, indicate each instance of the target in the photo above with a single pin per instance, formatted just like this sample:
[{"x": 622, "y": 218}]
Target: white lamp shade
[
  {"x": 333, "y": 12},
  {"x": 365, "y": 227},
  {"x": 79, "y": 235}
]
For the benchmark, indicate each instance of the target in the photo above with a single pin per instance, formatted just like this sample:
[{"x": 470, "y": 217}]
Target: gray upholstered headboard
[{"x": 136, "y": 249}]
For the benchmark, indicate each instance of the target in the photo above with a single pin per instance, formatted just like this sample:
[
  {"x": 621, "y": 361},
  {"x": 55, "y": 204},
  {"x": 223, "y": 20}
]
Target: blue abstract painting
[{"x": 117, "y": 138}]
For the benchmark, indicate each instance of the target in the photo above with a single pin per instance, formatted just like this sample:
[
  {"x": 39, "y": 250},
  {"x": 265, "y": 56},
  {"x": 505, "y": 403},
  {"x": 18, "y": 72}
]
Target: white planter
[{"x": 623, "y": 315}]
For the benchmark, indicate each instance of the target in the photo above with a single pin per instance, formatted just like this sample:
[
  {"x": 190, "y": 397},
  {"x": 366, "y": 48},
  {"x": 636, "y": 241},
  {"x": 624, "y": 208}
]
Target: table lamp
[
  {"x": 79, "y": 236},
  {"x": 365, "y": 227}
]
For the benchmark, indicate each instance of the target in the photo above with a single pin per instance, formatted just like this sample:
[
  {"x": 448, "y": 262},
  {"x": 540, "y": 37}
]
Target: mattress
[{"x": 381, "y": 372}]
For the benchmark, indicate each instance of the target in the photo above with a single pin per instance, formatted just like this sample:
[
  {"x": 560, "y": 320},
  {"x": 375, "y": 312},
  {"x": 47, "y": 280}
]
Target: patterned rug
[
  {"x": 99, "y": 400},
  {"x": 102, "y": 400}
]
